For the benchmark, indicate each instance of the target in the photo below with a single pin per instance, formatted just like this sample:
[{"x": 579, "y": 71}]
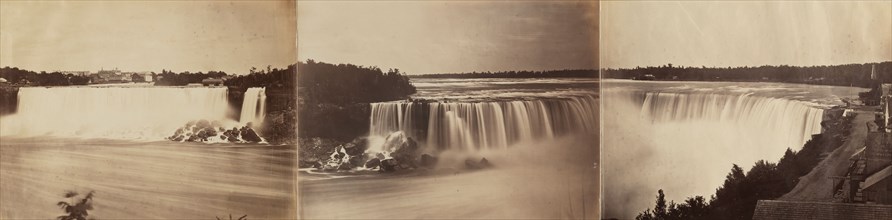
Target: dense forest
[
  {"x": 347, "y": 83},
  {"x": 840, "y": 75},
  {"x": 737, "y": 197},
  {"x": 20, "y": 76},
  {"x": 517, "y": 74}
]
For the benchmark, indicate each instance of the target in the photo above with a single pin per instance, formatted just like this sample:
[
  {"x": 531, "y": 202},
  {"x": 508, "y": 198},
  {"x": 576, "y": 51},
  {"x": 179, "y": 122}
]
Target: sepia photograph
[
  {"x": 148, "y": 110},
  {"x": 448, "y": 110},
  {"x": 443, "y": 109},
  {"x": 746, "y": 109}
]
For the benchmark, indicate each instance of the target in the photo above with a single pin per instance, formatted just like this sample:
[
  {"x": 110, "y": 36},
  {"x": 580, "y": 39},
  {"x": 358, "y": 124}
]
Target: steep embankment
[{"x": 817, "y": 184}]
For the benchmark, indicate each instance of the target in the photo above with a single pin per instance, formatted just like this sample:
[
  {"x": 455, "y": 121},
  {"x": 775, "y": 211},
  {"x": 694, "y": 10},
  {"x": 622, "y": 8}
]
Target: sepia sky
[
  {"x": 450, "y": 36},
  {"x": 147, "y": 36},
  {"x": 744, "y": 33}
]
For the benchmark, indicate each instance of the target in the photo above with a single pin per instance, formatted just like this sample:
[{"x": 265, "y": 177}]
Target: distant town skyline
[
  {"x": 744, "y": 33},
  {"x": 194, "y": 36},
  {"x": 450, "y": 36}
]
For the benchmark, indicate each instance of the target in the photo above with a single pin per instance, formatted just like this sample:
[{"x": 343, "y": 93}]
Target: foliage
[
  {"x": 271, "y": 78},
  {"x": 320, "y": 82},
  {"x": 26, "y": 77},
  {"x": 692, "y": 208},
  {"x": 581, "y": 73},
  {"x": 841, "y": 75},
  {"x": 169, "y": 78},
  {"x": 137, "y": 78},
  {"x": 78, "y": 210}
]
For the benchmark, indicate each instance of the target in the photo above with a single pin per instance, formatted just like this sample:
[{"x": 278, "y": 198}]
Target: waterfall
[
  {"x": 687, "y": 141},
  {"x": 114, "y": 112},
  {"x": 254, "y": 106},
  {"x": 472, "y": 126},
  {"x": 792, "y": 122}
]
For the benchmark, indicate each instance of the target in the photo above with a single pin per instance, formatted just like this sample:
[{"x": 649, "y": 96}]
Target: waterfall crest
[
  {"x": 794, "y": 122},
  {"x": 473, "y": 126}
]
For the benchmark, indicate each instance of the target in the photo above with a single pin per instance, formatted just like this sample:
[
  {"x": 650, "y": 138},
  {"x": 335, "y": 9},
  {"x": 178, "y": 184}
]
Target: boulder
[
  {"x": 356, "y": 147},
  {"x": 357, "y": 161},
  {"x": 248, "y": 135},
  {"x": 406, "y": 153},
  {"x": 232, "y": 135},
  {"x": 427, "y": 161},
  {"x": 475, "y": 165},
  {"x": 373, "y": 163},
  {"x": 389, "y": 165},
  {"x": 484, "y": 163}
]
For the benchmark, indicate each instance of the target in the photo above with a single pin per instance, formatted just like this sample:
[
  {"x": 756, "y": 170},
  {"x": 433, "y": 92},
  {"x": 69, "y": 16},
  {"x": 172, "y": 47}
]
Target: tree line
[
  {"x": 170, "y": 78},
  {"x": 738, "y": 195},
  {"x": 321, "y": 82},
  {"x": 15, "y": 75},
  {"x": 840, "y": 75},
  {"x": 271, "y": 78},
  {"x": 578, "y": 73}
]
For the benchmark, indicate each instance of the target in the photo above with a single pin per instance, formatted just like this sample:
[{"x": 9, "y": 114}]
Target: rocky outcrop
[
  {"x": 475, "y": 165},
  {"x": 373, "y": 163},
  {"x": 407, "y": 153},
  {"x": 208, "y": 131},
  {"x": 389, "y": 165}
]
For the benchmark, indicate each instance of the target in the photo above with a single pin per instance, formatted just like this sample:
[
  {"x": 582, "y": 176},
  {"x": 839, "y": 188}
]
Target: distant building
[
  {"x": 869, "y": 178},
  {"x": 212, "y": 82},
  {"x": 147, "y": 76},
  {"x": 646, "y": 77},
  {"x": 109, "y": 76}
]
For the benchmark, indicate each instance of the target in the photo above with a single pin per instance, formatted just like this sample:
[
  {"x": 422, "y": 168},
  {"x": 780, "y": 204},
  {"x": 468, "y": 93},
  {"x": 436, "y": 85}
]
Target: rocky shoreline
[{"x": 331, "y": 156}]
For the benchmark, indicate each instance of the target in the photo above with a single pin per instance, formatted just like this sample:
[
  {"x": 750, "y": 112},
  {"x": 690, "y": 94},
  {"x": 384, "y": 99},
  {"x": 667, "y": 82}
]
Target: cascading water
[
  {"x": 794, "y": 122},
  {"x": 112, "y": 112},
  {"x": 254, "y": 106},
  {"x": 473, "y": 126},
  {"x": 687, "y": 141}
]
